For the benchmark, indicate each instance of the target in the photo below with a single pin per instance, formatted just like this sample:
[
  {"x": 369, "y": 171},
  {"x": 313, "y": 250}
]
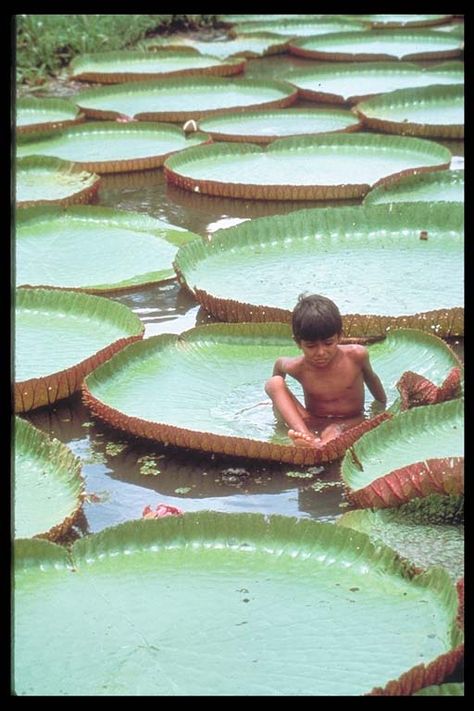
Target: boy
[{"x": 332, "y": 376}]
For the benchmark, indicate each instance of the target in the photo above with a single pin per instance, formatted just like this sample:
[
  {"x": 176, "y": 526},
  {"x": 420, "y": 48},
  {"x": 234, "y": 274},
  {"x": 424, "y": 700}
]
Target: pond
[{"x": 123, "y": 475}]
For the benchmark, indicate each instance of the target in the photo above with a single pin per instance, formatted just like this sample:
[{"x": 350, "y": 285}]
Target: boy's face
[{"x": 320, "y": 353}]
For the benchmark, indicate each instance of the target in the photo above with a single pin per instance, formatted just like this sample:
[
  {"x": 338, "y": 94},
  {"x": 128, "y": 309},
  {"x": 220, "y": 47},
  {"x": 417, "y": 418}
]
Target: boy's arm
[
  {"x": 281, "y": 366},
  {"x": 372, "y": 380}
]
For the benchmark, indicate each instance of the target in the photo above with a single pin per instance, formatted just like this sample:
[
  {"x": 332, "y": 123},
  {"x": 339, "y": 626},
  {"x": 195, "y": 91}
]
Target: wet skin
[{"x": 332, "y": 377}]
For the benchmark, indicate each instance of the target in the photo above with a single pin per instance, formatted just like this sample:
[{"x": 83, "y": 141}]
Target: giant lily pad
[
  {"x": 439, "y": 186},
  {"x": 83, "y": 248},
  {"x": 426, "y": 531},
  {"x": 183, "y": 99},
  {"x": 62, "y": 336},
  {"x": 165, "y": 388},
  {"x": 300, "y": 27},
  {"x": 234, "y": 19},
  {"x": 418, "y": 452},
  {"x": 427, "y": 111},
  {"x": 244, "y": 45},
  {"x": 108, "y": 147},
  {"x": 47, "y": 484},
  {"x": 451, "y": 689},
  {"x": 116, "y": 67},
  {"x": 394, "y": 276},
  {"x": 456, "y": 29},
  {"x": 303, "y": 168},
  {"x": 378, "y": 44},
  {"x": 216, "y": 604},
  {"x": 45, "y": 114},
  {"x": 349, "y": 82},
  {"x": 266, "y": 126},
  {"x": 386, "y": 21},
  {"x": 43, "y": 180}
]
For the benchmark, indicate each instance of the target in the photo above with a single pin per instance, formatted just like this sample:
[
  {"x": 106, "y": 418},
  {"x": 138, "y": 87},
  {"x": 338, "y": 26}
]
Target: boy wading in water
[{"x": 332, "y": 376}]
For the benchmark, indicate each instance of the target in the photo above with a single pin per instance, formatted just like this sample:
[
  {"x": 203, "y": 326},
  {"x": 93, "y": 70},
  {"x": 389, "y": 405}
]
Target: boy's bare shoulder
[
  {"x": 288, "y": 364},
  {"x": 355, "y": 352}
]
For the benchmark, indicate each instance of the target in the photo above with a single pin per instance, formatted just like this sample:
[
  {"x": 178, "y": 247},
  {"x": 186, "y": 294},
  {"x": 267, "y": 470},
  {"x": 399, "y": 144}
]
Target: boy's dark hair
[{"x": 315, "y": 318}]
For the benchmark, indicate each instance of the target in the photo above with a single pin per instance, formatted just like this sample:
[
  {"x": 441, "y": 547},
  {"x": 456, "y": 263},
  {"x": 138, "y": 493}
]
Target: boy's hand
[{"x": 376, "y": 407}]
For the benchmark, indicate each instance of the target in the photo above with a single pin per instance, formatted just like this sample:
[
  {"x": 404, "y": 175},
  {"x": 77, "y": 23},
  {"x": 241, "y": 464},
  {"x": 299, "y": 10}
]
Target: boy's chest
[{"x": 332, "y": 383}]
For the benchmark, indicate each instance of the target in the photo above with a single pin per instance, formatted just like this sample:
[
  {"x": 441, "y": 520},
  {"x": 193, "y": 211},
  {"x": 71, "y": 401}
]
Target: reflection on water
[{"x": 126, "y": 474}]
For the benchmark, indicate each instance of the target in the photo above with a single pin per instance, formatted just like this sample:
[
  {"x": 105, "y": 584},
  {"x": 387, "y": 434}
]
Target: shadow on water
[{"x": 126, "y": 474}]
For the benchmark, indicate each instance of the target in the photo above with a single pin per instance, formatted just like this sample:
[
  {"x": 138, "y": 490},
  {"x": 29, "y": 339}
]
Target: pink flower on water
[{"x": 161, "y": 511}]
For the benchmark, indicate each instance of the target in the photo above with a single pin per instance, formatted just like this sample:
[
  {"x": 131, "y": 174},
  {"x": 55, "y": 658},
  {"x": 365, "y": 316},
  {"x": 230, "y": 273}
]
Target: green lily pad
[
  {"x": 183, "y": 99},
  {"x": 349, "y": 82},
  {"x": 455, "y": 29},
  {"x": 404, "y": 20},
  {"x": 116, "y": 67},
  {"x": 409, "y": 531},
  {"x": 266, "y": 126},
  {"x": 108, "y": 146},
  {"x": 233, "y": 19},
  {"x": 418, "y": 452},
  {"x": 48, "y": 484},
  {"x": 426, "y": 111},
  {"x": 302, "y": 167},
  {"x": 241, "y": 605},
  {"x": 242, "y": 275},
  {"x": 378, "y": 44},
  {"x": 453, "y": 689},
  {"x": 62, "y": 336},
  {"x": 300, "y": 27},
  {"x": 243, "y": 45},
  {"x": 439, "y": 186},
  {"x": 165, "y": 388},
  {"x": 43, "y": 180},
  {"x": 83, "y": 248},
  {"x": 45, "y": 114}
]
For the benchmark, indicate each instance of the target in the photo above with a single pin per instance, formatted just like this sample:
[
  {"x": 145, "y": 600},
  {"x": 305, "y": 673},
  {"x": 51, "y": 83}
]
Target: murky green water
[{"x": 126, "y": 474}]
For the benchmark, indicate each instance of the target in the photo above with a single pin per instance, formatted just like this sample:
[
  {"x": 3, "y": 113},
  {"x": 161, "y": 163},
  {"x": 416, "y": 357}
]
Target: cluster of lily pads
[{"x": 273, "y": 585}]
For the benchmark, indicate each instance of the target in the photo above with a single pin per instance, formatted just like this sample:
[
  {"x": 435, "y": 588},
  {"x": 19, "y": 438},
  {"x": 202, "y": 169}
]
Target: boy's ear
[{"x": 297, "y": 341}]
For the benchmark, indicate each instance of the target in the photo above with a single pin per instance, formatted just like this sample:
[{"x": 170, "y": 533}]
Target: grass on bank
[{"x": 45, "y": 44}]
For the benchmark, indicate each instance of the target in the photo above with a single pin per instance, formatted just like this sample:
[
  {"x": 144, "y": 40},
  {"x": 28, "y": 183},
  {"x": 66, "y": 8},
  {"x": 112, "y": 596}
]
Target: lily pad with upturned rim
[
  {"x": 62, "y": 336},
  {"x": 183, "y": 99},
  {"x": 451, "y": 689},
  {"x": 234, "y": 19},
  {"x": 266, "y": 126},
  {"x": 109, "y": 147},
  {"x": 45, "y": 180},
  {"x": 219, "y": 582},
  {"x": 439, "y": 186},
  {"x": 418, "y": 452},
  {"x": 83, "y": 248},
  {"x": 166, "y": 389},
  {"x": 300, "y": 27},
  {"x": 116, "y": 67},
  {"x": 432, "y": 111},
  {"x": 252, "y": 261},
  {"x": 414, "y": 535},
  {"x": 242, "y": 45},
  {"x": 394, "y": 21},
  {"x": 377, "y": 45},
  {"x": 303, "y": 167},
  {"x": 34, "y": 114},
  {"x": 349, "y": 82},
  {"x": 48, "y": 484}
]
